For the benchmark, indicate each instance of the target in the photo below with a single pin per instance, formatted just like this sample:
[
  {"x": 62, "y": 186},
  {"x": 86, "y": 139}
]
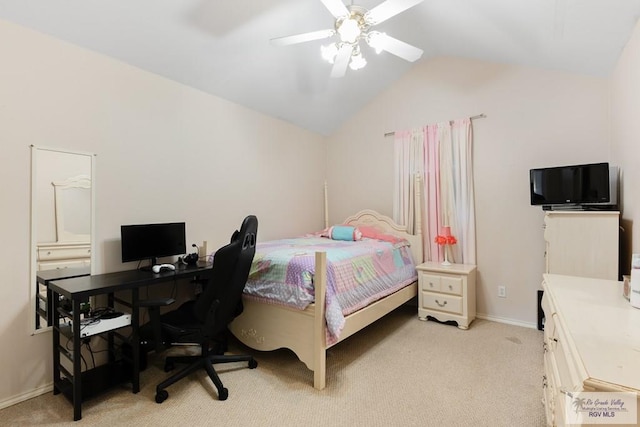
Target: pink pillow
[{"x": 374, "y": 233}]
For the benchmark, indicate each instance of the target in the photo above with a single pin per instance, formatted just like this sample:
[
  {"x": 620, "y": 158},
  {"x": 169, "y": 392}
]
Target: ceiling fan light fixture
[
  {"x": 374, "y": 40},
  {"x": 357, "y": 61},
  {"x": 329, "y": 52},
  {"x": 352, "y": 24},
  {"x": 349, "y": 30}
]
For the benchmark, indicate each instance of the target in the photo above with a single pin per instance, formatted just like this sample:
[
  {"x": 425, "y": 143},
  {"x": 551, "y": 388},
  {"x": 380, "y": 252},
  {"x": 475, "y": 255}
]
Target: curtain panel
[{"x": 443, "y": 154}]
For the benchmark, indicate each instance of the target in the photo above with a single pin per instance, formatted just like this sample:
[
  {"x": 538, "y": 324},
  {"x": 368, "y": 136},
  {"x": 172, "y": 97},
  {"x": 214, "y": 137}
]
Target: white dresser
[
  {"x": 591, "y": 341},
  {"x": 447, "y": 293},
  {"x": 59, "y": 255},
  {"x": 582, "y": 243}
]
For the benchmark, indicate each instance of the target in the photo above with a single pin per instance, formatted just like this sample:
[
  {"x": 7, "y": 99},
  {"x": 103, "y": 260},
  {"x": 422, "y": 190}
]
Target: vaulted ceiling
[{"x": 222, "y": 46}]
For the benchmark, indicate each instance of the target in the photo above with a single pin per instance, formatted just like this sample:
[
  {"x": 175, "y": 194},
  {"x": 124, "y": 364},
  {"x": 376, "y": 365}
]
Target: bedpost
[{"x": 319, "y": 323}]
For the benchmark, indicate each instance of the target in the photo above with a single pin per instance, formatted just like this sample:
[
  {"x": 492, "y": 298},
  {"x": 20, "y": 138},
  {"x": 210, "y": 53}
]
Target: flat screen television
[
  {"x": 152, "y": 241},
  {"x": 589, "y": 186}
]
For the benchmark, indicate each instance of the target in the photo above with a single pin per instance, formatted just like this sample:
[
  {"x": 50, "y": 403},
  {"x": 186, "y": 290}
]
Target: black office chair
[{"x": 204, "y": 321}]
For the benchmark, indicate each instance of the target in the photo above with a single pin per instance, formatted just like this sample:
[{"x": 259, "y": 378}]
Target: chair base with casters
[{"x": 196, "y": 363}]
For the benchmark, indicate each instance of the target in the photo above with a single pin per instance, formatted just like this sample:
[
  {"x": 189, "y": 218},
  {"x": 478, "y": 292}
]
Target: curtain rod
[{"x": 479, "y": 116}]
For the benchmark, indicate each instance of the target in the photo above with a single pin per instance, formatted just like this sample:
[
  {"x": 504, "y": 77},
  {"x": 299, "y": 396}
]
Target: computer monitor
[{"x": 152, "y": 241}]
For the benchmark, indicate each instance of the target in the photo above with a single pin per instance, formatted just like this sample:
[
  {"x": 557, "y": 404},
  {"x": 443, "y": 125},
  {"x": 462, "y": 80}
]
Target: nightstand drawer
[
  {"x": 429, "y": 282},
  {"x": 451, "y": 285},
  {"x": 440, "y": 302}
]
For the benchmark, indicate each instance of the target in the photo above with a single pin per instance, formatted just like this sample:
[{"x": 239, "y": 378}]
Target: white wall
[
  {"x": 165, "y": 152},
  {"x": 535, "y": 118},
  {"x": 625, "y": 107}
]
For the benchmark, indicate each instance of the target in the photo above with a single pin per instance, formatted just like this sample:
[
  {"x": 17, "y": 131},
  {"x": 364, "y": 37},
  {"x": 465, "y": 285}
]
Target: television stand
[{"x": 579, "y": 208}]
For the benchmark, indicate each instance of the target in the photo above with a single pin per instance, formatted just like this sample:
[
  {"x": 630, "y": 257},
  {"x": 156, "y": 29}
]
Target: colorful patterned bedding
[{"x": 358, "y": 273}]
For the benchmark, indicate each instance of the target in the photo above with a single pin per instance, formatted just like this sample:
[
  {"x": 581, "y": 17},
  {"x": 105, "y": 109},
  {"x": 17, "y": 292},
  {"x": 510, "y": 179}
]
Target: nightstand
[{"x": 447, "y": 293}]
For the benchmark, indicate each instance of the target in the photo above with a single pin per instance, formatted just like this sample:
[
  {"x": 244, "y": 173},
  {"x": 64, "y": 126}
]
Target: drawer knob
[
  {"x": 441, "y": 304},
  {"x": 450, "y": 287},
  {"x": 431, "y": 284}
]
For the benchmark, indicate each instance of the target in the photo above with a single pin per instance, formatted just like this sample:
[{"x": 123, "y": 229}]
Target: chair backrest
[{"x": 231, "y": 265}]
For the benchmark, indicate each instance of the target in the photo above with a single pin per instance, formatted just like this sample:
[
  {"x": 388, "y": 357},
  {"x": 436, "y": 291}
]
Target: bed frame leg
[
  {"x": 319, "y": 327},
  {"x": 319, "y": 377}
]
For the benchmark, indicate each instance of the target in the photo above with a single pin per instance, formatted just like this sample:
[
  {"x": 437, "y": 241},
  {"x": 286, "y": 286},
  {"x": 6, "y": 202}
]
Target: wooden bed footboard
[{"x": 267, "y": 327}]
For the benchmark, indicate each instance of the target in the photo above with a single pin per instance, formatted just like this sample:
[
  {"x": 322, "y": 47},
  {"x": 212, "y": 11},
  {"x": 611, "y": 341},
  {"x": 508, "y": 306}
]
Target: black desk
[
  {"x": 44, "y": 278},
  {"x": 78, "y": 290}
]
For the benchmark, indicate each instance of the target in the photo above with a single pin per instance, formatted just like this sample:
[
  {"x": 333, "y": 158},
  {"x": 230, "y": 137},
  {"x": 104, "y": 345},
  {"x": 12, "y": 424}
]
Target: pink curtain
[{"x": 448, "y": 187}]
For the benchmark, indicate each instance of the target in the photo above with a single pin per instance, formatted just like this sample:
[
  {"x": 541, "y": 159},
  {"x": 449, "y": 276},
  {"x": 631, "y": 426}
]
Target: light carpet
[{"x": 397, "y": 371}]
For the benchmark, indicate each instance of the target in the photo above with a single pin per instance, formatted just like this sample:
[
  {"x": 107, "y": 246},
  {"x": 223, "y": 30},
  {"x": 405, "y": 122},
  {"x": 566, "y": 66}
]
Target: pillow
[
  {"x": 344, "y": 232},
  {"x": 374, "y": 233}
]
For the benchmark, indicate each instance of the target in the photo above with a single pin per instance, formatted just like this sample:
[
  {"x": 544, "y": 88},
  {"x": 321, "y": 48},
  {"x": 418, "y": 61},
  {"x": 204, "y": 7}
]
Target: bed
[{"x": 267, "y": 326}]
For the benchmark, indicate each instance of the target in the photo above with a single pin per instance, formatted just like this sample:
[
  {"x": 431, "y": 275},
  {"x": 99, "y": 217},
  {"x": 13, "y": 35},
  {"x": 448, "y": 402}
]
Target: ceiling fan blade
[
  {"x": 341, "y": 62},
  {"x": 388, "y": 9},
  {"x": 336, "y": 7},
  {"x": 301, "y": 38},
  {"x": 397, "y": 47}
]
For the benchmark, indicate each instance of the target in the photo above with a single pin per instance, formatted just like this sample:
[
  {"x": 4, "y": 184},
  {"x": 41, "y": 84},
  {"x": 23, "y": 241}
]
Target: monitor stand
[{"x": 152, "y": 261}]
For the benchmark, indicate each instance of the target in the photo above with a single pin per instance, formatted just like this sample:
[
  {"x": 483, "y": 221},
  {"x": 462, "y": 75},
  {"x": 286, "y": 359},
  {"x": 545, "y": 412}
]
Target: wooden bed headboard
[{"x": 385, "y": 224}]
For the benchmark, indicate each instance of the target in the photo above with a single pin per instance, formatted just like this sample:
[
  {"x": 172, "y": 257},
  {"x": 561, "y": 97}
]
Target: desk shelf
[
  {"x": 97, "y": 380},
  {"x": 87, "y": 331},
  {"x": 90, "y": 382}
]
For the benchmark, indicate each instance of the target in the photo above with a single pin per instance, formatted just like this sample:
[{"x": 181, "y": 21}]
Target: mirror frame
[{"x": 33, "y": 285}]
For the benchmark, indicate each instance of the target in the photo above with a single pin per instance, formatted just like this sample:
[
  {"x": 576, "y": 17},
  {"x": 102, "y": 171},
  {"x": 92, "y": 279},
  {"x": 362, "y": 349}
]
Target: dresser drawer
[
  {"x": 62, "y": 264},
  {"x": 568, "y": 374},
  {"x": 52, "y": 253},
  {"x": 440, "y": 302}
]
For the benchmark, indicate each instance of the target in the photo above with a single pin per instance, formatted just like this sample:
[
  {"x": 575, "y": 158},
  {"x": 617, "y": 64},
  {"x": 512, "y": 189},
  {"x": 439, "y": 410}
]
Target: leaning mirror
[{"x": 62, "y": 212}]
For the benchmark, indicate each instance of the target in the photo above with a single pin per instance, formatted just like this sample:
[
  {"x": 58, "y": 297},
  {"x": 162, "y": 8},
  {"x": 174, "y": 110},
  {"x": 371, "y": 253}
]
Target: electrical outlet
[{"x": 502, "y": 291}]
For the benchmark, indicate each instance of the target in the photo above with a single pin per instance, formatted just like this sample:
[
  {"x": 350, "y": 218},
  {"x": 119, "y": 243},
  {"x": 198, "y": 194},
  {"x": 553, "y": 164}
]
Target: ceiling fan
[{"x": 353, "y": 24}]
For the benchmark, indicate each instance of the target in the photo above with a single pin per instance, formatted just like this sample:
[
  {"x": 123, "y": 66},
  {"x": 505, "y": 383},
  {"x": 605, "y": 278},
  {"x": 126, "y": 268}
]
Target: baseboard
[
  {"x": 507, "y": 321},
  {"x": 26, "y": 396}
]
